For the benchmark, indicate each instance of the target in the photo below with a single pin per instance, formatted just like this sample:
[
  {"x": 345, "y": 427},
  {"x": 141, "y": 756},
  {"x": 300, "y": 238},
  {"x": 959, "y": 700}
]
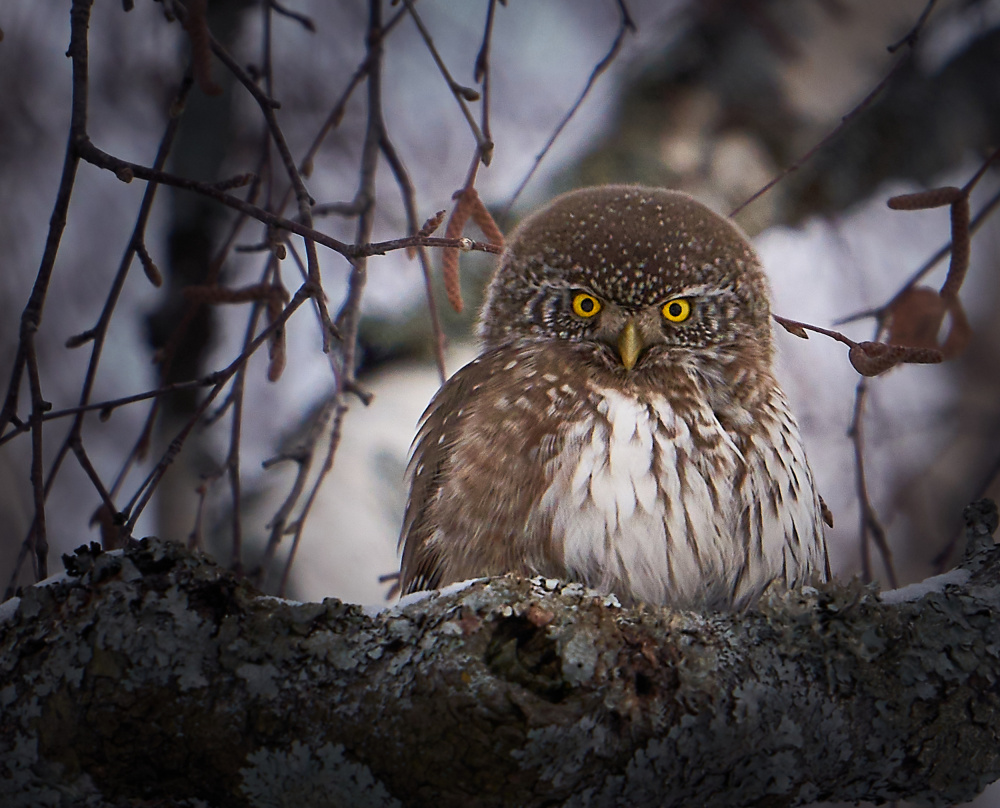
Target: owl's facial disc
[{"x": 626, "y": 335}]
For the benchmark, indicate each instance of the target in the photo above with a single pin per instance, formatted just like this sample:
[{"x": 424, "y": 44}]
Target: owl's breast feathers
[{"x": 524, "y": 463}]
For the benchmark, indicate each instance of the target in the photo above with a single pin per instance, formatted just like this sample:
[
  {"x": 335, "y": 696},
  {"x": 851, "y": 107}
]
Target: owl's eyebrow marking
[
  {"x": 561, "y": 283},
  {"x": 701, "y": 290}
]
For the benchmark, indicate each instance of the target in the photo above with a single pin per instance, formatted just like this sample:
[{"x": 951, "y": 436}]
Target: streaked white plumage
[{"x": 622, "y": 527}]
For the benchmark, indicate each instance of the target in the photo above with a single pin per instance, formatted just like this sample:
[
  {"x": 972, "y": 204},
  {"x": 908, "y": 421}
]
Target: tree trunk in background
[{"x": 204, "y": 141}]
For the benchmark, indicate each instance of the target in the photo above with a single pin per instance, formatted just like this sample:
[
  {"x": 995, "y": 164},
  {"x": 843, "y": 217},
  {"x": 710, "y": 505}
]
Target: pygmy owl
[{"x": 622, "y": 425}]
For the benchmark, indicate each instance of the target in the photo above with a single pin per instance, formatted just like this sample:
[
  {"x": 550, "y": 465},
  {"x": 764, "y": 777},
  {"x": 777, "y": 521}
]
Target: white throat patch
[{"x": 632, "y": 507}]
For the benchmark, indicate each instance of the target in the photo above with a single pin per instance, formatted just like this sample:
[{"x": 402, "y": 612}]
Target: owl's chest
[{"x": 641, "y": 498}]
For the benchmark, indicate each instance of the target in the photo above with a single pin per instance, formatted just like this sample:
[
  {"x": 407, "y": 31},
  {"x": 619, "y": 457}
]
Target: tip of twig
[
  {"x": 791, "y": 327},
  {"x": 826, "y": 513},
  {"x": 926, "y": 200},
  {"x": 80, "y": 339},
  {"x": 468, "y": 93},
  {"x": 875, "y": 358},
  {"x": 486, "y": 152}
]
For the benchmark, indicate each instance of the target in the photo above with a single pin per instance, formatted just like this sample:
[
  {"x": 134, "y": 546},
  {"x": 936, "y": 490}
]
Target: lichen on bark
[{"x": 154, "y": 674}]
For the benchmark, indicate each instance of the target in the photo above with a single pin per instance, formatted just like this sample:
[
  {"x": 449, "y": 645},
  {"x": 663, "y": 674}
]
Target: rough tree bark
[{"x": 151, "y": 676}]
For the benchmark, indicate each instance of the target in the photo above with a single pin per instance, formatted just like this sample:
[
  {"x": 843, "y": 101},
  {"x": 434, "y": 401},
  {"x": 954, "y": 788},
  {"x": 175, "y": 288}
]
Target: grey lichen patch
[
  {"x": 305, "y": 776},
  {"x": 561, "y": 755},
  {"x": 157, "y": 631},
  {"x": 114, "y": 645},
  {"x": 506, "y": 692},
  {"x": 579, "y": 652},
  {"x": 814, "y": 653},
  {"x": 261, "y": 680},
  {"x": 29, "y": 781},
  {"x": 339, "y": 651}
]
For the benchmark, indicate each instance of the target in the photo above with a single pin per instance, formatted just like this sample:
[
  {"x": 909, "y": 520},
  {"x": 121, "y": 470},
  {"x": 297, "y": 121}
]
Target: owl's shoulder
[
  {"x": 517, "y": 380},
  {"x": 485, "y": 438}
]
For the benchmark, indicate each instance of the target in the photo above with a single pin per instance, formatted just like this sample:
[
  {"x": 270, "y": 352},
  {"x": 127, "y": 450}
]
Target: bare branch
[
  {"x": 461, "y": 93},
  {"x": 910, "y": 40},
  {"x": 625, "y": 25},
  {"x": 523, "y": 692},
  {"x": 868, "y": 358},
  {"x": 410, "y": 205}
]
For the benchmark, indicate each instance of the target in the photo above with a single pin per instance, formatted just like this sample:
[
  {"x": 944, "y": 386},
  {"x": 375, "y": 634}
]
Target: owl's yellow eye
[
  {"x": 677, "y": 311},
  {"x": 586, "y": 305}
]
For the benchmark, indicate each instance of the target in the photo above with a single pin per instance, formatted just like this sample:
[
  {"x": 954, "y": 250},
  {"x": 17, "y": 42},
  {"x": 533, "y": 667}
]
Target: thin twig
[
  {"x": 482, "y": 71},
  {"x": 144, "y": 493},
  {"x": 624, "y": 26},
  {"x": 95, "y": 479},
  {"x": 39, "y": 536},
  {"x": 303, "y": 457},
  {"x": 31, "y": 317},
  {"x": 100, "y": 330},
  {"x": 910, "y": 39},
  {"x": 830, "y": 136},
  {"x": 462, "y": 94},
  {"x": 102, "y": 159},
  {"x": 303, "y": 20},
  {"x": 409, "y": 194},
  {"x": 870, "y": 358},
  {"x": 941, "y": 560},
  {"x": 267, "y": 106},
  {"x": 349, "y": 316},
  {"x": 340, "y": 410},
  {"x": 105, "y": 408},
  {"x": 870, "y": 526},
  {"x": 336, "y": 113},
  {"x": 926, "y": 268}
]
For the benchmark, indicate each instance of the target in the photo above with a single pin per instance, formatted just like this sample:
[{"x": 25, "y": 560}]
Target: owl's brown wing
[
  {"x": 422, "y": 563},
  {"x": 479, "y": 466}
]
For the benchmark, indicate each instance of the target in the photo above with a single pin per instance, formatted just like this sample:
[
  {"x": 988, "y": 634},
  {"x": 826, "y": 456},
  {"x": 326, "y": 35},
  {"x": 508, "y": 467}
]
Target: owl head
[{"x": 639, "y": 273}]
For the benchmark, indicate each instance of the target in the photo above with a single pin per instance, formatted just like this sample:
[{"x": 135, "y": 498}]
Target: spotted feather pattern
[{"x": 681, "y": 480}]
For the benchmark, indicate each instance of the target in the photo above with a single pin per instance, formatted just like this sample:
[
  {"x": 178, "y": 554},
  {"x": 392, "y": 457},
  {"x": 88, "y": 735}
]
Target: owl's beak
[{"x": 630, "y": 344}]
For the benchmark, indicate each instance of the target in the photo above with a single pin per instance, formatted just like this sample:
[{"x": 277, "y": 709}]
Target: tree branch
[{"x": 154, "y": 674}]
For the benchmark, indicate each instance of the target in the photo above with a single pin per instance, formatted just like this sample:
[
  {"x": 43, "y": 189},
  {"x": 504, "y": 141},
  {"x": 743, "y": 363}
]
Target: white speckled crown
[{"x": 626, "y": 243}]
